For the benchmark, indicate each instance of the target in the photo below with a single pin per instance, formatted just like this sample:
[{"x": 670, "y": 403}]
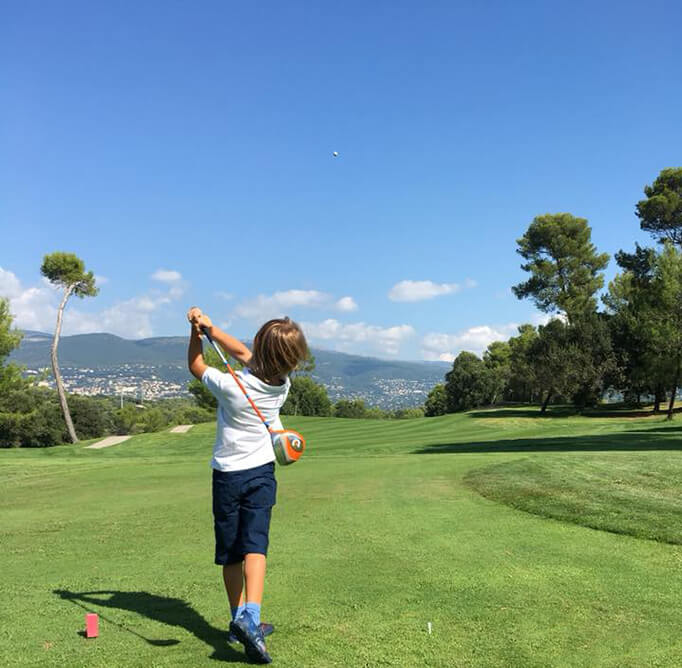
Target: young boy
[{"x": 244, "y": 486}]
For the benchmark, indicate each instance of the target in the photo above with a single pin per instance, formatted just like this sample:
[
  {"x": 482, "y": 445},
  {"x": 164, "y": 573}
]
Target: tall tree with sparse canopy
[
  {"x": 66, "y": 270},
  {"x": 565, "y": 274},
  {"x": 563, "y": 263},
  {"x": 660, "y": 213}
]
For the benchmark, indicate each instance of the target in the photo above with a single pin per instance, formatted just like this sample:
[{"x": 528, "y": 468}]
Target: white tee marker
[
  {"x": 107, "y": 442},
  {"x": 181, "y": 429}
]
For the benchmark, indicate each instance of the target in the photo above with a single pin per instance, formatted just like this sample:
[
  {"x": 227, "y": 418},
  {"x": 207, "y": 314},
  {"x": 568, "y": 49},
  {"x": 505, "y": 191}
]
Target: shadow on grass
[
  {"x": 567, "y": 411},
  {"x": 169, "y": 611},
  {"x": 642, "y": 440},
  {"x": 525, "y": 412}
]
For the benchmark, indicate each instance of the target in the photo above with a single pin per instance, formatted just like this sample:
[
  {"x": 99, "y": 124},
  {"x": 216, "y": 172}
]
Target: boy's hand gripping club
[{"x": 288, "y": 445}]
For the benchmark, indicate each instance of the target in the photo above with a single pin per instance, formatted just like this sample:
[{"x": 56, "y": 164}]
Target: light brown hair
[{"x": 278, "y": 348}]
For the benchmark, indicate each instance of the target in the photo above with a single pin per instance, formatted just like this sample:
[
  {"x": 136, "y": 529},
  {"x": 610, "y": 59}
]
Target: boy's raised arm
[
  {"x": 195, "y": 354},
  {"x": 233, "y": 347}
]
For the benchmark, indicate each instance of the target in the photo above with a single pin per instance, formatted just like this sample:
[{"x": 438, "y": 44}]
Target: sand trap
[
  {"x": 111, "y": 440},
  {"x": 181, "y": 428}
]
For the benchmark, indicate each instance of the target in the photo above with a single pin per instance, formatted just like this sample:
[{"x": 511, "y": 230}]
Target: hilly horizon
[
  {"x": 380, "y": 382},
  {"x": 146, "y": 349}
]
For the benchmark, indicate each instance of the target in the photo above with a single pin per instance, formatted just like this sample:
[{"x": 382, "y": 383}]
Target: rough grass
[
  {"x": 376, "y": 533},
  {"x": 640, "y": 495}
]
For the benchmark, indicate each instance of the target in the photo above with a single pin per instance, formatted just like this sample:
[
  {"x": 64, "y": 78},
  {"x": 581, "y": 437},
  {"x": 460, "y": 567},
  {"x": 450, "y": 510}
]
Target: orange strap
[{"x": 246, "y": 394}]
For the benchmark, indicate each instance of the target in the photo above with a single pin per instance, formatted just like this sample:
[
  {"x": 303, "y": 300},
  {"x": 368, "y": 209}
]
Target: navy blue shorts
[{"x": 242, "y": 505}]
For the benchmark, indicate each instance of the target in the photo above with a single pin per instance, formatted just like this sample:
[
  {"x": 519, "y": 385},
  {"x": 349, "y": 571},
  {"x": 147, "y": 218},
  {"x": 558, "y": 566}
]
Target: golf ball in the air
[{"x": 335, "y": 154}]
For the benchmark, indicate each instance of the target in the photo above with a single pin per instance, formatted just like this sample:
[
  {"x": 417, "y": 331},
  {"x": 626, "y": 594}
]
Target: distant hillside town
[{"x": 149, "y": 369}]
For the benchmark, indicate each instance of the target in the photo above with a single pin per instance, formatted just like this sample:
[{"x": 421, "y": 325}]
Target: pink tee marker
[{"x": 91, "y": 625}]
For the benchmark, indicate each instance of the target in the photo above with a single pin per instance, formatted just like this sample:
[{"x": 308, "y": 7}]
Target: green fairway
[{"x": 378, "y": 530}]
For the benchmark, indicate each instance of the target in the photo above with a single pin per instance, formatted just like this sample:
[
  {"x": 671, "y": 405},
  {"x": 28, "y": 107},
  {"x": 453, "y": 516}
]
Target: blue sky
[{"x": 184, "y": 151}]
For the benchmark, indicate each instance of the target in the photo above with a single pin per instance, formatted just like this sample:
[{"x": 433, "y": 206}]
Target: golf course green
[{"x": 521, "y": 540}]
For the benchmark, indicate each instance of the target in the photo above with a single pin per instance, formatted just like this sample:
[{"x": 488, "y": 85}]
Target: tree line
[{"x": 632, "y": 345}]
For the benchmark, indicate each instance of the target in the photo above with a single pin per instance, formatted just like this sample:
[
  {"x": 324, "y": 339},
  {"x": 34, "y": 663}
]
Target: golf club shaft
[{"x": 204, "y": 331}]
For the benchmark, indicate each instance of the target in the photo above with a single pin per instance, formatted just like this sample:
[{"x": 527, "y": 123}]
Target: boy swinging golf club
[{"x": 244, "y": 486}]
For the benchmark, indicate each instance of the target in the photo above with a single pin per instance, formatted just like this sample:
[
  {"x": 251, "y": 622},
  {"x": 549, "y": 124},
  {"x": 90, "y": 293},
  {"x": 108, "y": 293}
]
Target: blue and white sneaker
[
  {"x": 267, "y": 629},
  {"x": 251, "y": 636}
]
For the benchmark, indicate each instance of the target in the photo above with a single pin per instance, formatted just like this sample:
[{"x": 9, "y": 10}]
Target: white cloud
[
  {"x": 276, "y": 305},
  {"x": 173, "y": 279},
  {"x": 167, "y": 276},
  {"x": 383, "y": 339},
  {"x": 9, "y": 284},
  {"x": 415, "y": 291},
  {"x": 100, "y": 280},
  {"x": 130, "y": 319},
  {"x": 346, "y": 304},
  {"x": 263, "y": 307},
  {"x": 36, "y": 308},
  {"x": 32, "y": 308},
  {"x": 445, "y": 347}
]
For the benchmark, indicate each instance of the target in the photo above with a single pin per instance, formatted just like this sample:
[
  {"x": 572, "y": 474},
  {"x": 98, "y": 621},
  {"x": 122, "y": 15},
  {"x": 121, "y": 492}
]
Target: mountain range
[{"x": 384, "y": 383}]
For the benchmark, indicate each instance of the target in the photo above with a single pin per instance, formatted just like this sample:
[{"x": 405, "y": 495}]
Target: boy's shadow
[{"x": 170, "y": 611}]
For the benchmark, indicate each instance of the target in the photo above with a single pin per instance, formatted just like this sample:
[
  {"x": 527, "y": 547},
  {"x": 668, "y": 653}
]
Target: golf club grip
[{"x": 204, "y": 331}]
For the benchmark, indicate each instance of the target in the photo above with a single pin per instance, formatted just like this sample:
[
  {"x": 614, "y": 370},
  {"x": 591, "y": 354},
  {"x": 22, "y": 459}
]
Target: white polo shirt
[{"x": 242, "y": 440}]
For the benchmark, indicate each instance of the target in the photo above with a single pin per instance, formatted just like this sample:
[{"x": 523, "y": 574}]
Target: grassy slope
[
  {"x": 636, "y": 495},
  {"x": 371, "y": 539}
]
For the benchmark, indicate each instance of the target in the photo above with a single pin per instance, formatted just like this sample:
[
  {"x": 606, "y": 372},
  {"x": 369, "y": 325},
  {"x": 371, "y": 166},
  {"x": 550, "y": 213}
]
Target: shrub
[
  {"x": 437, "y": 402},
  {"x": 306, "y": 397},
  {"x": 350, "y": 408}
]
